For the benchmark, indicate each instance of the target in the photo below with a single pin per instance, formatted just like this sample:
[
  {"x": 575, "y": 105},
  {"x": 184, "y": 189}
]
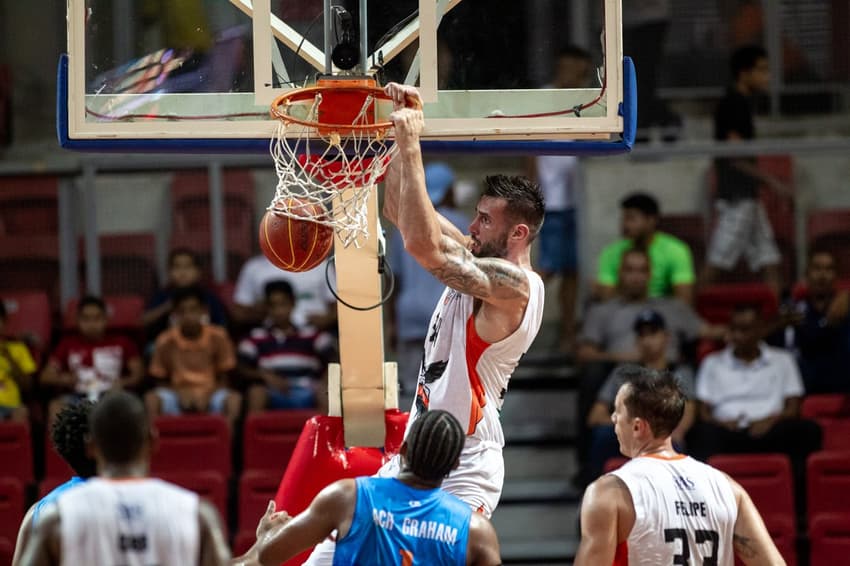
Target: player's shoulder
[{"x": 607, "y": 491}]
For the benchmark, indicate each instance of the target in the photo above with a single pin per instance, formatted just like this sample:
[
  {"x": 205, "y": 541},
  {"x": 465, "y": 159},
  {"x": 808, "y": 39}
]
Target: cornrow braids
[
  {"x": 434, "y": 444},
  {"x": 68, "y": 435}
]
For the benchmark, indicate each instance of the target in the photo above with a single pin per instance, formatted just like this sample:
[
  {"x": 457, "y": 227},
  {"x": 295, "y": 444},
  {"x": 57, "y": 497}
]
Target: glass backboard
[{"x": 200, "y": 74}]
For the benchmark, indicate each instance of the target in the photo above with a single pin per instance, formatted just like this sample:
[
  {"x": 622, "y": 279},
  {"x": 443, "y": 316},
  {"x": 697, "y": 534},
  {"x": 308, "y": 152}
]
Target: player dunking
[
  {"x": 123, "y": 517},
  {"x": 407, "y": 520},
  {"x": 485, "y": 320},
  {"x": 662, "y": 507}
]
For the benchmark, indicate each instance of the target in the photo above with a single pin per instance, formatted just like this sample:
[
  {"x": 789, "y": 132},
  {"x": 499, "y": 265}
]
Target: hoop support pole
[{"x": 361, "y": 341}]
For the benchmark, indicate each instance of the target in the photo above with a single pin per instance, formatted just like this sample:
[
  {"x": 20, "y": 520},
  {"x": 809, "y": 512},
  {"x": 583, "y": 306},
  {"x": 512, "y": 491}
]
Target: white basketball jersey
[
  {"x": 685, "y": 513},
  {"x": 133, "y": 522},
  {"x": 463, "y": 374}
]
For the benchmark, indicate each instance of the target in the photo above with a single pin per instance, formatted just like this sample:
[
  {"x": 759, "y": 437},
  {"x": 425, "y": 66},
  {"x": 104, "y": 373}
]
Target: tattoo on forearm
[
  {"x": 744, "y": 546},
  {"x": 480, "y": 277}
]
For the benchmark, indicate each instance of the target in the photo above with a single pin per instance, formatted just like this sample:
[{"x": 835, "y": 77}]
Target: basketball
[{"x": 293, "y": 244}]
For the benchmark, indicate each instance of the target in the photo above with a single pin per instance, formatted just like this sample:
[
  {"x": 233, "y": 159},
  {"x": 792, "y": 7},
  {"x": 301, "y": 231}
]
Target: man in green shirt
[{"x": 672, "y": 267}]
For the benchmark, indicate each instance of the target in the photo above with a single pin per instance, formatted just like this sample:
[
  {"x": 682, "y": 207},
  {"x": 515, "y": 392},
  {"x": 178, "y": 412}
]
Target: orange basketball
[{"x": 293, "y": 244}]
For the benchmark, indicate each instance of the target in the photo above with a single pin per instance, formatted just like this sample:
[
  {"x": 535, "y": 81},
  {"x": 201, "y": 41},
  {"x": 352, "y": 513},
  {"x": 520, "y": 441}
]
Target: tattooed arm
[{"x": 752, "y": 542}]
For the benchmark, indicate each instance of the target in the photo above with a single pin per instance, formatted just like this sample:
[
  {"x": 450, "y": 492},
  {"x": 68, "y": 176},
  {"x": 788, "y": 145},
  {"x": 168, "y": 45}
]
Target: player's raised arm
[{"x": 752, "y": 542}]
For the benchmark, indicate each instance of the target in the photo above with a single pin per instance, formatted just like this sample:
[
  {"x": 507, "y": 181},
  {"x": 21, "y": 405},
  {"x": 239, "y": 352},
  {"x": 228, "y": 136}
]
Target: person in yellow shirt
[{"x": 16, "y": 369}]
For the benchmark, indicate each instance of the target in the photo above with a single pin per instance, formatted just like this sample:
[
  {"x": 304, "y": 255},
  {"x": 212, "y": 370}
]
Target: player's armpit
[{"x": 488, "y": 279}]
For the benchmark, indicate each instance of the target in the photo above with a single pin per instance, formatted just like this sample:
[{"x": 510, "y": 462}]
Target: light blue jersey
[
  {"x": 54, "y": 494},
  {"x": 395, "y": 524}
]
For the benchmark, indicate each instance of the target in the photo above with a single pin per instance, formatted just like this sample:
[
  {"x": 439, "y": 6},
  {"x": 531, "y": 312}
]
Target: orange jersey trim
[
  {"x": 665, "y": 458},
  {"x": 475, "y": 348}
]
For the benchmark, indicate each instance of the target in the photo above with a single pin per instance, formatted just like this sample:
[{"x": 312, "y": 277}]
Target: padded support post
[{"x": 361, "y": 342}]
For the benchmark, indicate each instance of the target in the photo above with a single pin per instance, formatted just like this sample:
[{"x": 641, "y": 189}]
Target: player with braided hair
[
  {"x": 68, "y": 436},
  {"x": 404, "y": 520}
]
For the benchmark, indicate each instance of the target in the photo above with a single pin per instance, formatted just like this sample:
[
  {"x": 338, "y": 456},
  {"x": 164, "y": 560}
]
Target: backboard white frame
[{"x": 450, "y": 129}]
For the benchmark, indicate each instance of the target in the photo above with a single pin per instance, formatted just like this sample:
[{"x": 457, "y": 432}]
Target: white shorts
[
  {"x": 742, "y": 228},
  {"x": 477, "y": 482}
]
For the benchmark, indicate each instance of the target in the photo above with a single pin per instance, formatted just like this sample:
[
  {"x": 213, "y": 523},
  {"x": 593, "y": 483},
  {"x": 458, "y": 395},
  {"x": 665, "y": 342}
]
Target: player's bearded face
[{"x": 495, "y": 247}]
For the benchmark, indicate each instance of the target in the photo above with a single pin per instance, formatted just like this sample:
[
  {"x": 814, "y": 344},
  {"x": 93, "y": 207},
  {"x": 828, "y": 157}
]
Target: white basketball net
[{"x": 333, "y": 169}]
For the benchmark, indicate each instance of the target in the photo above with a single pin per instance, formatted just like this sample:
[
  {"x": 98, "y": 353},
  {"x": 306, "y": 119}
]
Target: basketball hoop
[{"x": 329, "y": 148}]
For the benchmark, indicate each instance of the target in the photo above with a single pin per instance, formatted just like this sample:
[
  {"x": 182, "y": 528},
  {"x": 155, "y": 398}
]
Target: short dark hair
[
  {"x": 745, "y": 58},
  {"x": 643, "y": 202},
  {"x": 279, "y": 286},
  {"x": 68, "y": 436},
  {"x": 119, "y": 427},
  {"x": 574, "y": 51},
  {"x": 184, "y": 294},
  {"x": 177, "y": 252},
  {"x": 525, "y": 200},
  {"x": 654, "y": 396},
  {"x": 91, "y": 301},
  {"x": 434, "y": 444}
]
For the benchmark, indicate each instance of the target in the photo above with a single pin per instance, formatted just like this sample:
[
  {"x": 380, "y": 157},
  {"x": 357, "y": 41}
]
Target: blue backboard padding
[{"x": 628, "y": 110}]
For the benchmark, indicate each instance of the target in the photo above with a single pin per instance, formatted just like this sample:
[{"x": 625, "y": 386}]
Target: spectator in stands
[
  {"x": 88, "y": 363},
  {"x": 417, "y": 291},
  {"x": 608, "y": 337},
  {"x": 652, "y": 342},
  {"x": 16, "y": 369},
  {"x": 750, "y": 395},
  {"x": 194, "y": 358},
  {"x": 670, "y": 257},
  {"x": 818, "y": 328},
  {"x": 559, "y": 177},
  {"x": 742, "y": 226},
  {"x": 184, "y": 270},
  {"x": 316, "y": 305},
  {"x": 287, "y": 364}
]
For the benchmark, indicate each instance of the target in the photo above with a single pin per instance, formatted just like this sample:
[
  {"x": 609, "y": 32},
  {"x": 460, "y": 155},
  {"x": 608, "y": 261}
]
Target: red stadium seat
[
  {"x": 244, "y": 541},
  {"x": 612, "y": 464},
  {"x": 784, "y": 534},
  {"x": 766, "y": 477},
  {"x": 30, "y": 262},
  {"x": 224, "y": 292},
  {"x": 828, "y": 482},
  {"x": 208, "y": 484},
  {"x": 11, "y": 507},
  {"x": 716, "y": 302},
  {"x": 270, "y": 438},
  {"x": 16, "y": 451},
  {"x": 836, "y": 434},
  {"x": 29, "y": 205},
  {"x": 29, "y": 318},
  {"x": 826, "y": 406},
  {"x": 49, "y": 483},
  {"x": 7, "y": 551},
  {"x": 829, "y": 537},
  {"x": 256, "y": 489},
  {"x": 191, "y": 443}
]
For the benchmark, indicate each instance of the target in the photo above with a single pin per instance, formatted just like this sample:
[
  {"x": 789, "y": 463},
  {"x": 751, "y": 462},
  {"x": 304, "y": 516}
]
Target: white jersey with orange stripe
[
  {"x": 685, "y": 513},
  {"x": 132, "y": 522},
  {"x": 466, "y": 376}
]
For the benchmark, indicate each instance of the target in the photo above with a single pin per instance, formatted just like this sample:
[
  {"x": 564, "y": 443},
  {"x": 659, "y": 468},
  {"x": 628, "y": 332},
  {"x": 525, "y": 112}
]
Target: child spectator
[
  {"x": 88, "y": 363},
  {"x": 287, "y": 363},
  {"x": 194, "y": 359},
  {"x": 16, "y": 369},
  {"x": 183, "y": 271}
]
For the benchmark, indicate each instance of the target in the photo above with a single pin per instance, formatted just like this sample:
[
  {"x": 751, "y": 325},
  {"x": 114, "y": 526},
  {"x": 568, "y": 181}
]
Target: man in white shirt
[
  {"x": 315, "y": 304},
  {"x": 750, "y": 395}
]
